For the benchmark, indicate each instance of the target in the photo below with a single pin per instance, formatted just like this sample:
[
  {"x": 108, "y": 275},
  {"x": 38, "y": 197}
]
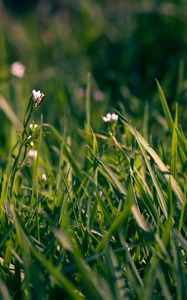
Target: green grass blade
[
  {"x": 67, "y": 153},
  {"x": 164, "y": 286},
  {"x": 88, "y": 278},
  {"x": 4, "y": 293},
  {"x": 162, "y": 167},
  {"x": 88, "y": 104},
  {"x": 121, "y": 218},
  {"x": 174, "y": 145},
  {"x": 55, "y": 272},
  {"x": 134, "y": 209},
  {"x": 165, "y": 107}
]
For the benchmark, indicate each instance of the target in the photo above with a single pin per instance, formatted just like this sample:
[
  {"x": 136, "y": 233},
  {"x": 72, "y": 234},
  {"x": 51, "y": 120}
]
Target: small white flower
[
  {"x": 17, "y": 69},
  {"x": 114, "y": 117},
  {"x": 30, "y": 142},
  {"x": 37, "y": 97},
  {"x": 110, "y": 117},
  {"x": 44, "y": 177},
  {"x": 32, "y": 153},
  {"x": 107, "y": 118},
  {"x": 100, "y": 193},
  {"x": 33, "y": 126}
]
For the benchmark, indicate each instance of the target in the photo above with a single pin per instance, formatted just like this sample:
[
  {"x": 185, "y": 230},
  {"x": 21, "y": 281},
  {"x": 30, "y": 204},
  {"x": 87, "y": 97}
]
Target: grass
[{"x": 107, "y": 223}]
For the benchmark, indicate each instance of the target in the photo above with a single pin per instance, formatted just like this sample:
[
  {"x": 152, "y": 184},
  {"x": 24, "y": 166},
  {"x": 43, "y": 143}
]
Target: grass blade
[
  {"x": 165, "y": 107},
  {"x": 162, "y": 167}
]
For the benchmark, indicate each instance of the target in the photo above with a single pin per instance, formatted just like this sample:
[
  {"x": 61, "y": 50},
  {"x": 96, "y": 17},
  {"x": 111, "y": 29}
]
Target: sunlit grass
[{"x": 106, "y": 223}]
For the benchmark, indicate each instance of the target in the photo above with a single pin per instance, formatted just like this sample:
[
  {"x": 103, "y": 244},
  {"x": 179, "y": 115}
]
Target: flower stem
[{"x": 15, "y": 166}]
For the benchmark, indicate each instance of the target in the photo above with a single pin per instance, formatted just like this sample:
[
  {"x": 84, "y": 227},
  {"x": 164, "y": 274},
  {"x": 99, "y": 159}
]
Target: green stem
[{"x": 15, "y": 167}]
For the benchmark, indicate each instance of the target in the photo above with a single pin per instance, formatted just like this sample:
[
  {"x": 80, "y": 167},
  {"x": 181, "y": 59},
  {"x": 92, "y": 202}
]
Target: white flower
[
  {"x": 114, "y": 117},
  {"x": 37, "y": 97},
  {"x": 107, "y": 118},
  {"x": 33, "y": 126},
  {"x": 32, "y": 153},
  {"x": 100, "y": 193},
  {"x": 110, "y": 117},
  {"x": 44, "y": 177},
  {"x": 30, "y": 142},
  {"x": 17, "y": 69}
]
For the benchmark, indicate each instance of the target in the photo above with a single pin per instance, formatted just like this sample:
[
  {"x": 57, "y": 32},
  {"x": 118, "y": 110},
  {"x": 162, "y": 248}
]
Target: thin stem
[{"x": 15, "y": 167}]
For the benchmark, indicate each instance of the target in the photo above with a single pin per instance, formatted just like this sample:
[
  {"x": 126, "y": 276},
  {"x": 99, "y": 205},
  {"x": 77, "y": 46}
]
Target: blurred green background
[{"x": 124, "y": 44}]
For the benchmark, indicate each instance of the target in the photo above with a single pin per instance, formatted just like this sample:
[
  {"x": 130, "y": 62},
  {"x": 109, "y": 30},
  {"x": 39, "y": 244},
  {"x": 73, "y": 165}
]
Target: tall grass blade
[
  {"x": 165, "y": 107},
  {"x": 162, "y": 167},
  {"x": 134, "y": 209},
  {"x": 174, "y": 145},
  {"x": 88, "y": 103}
]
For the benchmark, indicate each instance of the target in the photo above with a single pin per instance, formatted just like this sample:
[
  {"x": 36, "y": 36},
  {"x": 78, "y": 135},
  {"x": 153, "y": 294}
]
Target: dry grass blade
[
  {"x": 5, "y": 107},
  {"x": 140, "y": 139}
]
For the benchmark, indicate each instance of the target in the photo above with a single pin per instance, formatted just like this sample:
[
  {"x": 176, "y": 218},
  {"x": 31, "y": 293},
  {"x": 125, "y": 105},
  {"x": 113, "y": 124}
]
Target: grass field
[
  {"x": 108, "y": 223},
  {"x": 92, "y": 206}
]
